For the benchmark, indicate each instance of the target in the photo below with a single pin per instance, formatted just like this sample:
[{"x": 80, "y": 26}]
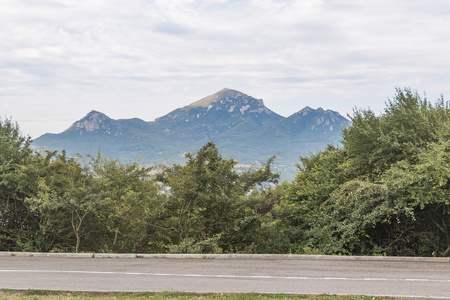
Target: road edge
[{"x": 229, "y": 256}]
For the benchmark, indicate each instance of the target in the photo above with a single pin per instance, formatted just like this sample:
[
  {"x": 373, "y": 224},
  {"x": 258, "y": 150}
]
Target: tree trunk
[
  {"x": 116, "y": 235},
  {"x": 78, "y": 244},
  {"x": 443, "y": 228},
  {"x": 447, "y": 251}
]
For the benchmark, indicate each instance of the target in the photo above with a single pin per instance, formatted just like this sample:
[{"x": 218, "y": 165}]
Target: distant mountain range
[{"x": 240, "y": 125}]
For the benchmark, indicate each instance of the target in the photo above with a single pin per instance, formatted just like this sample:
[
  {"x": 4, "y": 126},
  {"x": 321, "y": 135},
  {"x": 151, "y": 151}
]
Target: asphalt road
[{"x": 377, "y": 278}]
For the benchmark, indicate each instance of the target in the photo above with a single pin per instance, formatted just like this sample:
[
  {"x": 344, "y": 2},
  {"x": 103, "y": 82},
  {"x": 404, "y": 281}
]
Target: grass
[{"x": 6, "y": 294}]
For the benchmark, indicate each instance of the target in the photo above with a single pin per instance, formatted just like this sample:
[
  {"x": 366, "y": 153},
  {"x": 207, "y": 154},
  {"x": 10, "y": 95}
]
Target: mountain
[
  {"x": 95, "y": 123},
  {"x": 97, "y": 132},
  {"x": 223, "y": 112},
  {"x": 312, "y": 123},
  {"x": 242, "y": 127}
]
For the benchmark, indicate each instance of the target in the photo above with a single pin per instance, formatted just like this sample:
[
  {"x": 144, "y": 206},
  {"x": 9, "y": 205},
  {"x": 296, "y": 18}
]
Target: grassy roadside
[{"x": 6, "y": 294}]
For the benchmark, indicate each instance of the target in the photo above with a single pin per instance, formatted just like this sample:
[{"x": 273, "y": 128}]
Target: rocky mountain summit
[
  {"x": 97, "y": 123},
  {"x": 219, "y": 113},
  {"x": 242, "y": 127}
]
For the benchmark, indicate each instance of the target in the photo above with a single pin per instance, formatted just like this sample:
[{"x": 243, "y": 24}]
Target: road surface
[{"x": 377, "y": 278}]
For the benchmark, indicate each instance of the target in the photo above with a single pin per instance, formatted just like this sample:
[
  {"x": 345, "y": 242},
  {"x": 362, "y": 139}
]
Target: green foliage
[
  {"x": 408, "y": 124},
  {"x": 354, "y": 210},
  {"x": 16, "y": 222},
  {"x": 132, "y": 204},
  {"x": 205, "y": 197},
  {"x": 380, "y": 191},
  {"x": 425, "y": 187},
  {"x": 51, "y": 202},
  {"x": 260, "y": 228},
  {"x": 319, "y": 175},
  {"x": 66, "y": 198}
]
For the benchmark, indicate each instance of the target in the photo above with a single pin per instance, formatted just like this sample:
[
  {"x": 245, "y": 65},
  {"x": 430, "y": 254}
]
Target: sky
[{"x": 60, "y": 59}]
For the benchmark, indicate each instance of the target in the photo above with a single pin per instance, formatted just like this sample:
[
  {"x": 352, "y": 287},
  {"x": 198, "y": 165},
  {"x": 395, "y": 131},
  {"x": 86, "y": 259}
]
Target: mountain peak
[
  {"x": 307, "y": 110},
  {"x": 94, "y": 120},
  {"x": 316, "y": 120},
  {"x": 304, "y": 111},
  {"x": 94, "y": 112},
  {"x": 229, "y": 103},
  {"x": 226, "y": 110},
  {"x": 222, "y": 94}
]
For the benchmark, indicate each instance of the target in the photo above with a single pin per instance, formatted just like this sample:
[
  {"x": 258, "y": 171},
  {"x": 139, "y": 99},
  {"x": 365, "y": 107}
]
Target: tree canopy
[
  {"x": 373, "y": 194},
  {"x": 206, "y": 196}
]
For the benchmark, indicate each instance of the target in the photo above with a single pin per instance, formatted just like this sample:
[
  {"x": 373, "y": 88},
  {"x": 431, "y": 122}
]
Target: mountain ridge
[{"x": 242, "y": 126}]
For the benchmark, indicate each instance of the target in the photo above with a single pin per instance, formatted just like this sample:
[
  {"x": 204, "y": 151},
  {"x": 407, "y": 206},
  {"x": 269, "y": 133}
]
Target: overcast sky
[{"x": 60, "y": 59}]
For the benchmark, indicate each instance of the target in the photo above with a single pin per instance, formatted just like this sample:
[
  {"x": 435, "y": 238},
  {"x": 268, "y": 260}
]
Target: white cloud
[{"x": 143, "y": 58}]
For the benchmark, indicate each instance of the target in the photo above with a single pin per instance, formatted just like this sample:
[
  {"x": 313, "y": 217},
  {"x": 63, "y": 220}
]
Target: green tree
[
  {"x": 261, "y": 228},
  {"x": 134, "y": 205},
  {"x": 66, "y": 198},
  {"x": 425, "y": 187},
  {"x": 16, "y": 221},
  {"x": 318, "y": 176},
  {"x": 205, "y": 197},
  {"x": 360, "y": 216},
  {"x": 409, "y": 123},
  {"x": 379, "y": 191}
]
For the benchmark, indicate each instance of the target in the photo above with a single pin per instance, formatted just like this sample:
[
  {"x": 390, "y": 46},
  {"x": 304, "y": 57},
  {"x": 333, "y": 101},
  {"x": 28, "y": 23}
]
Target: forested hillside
[{"x": 384, "y": 191}]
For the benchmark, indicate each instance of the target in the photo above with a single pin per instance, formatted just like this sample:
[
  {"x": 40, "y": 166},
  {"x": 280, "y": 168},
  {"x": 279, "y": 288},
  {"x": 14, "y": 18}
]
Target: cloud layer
[{"x": 59, "y": 59}]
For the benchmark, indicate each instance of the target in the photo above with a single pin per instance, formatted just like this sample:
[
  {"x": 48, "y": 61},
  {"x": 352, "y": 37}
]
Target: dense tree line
[
  {"x": 383, "y": 191},
  {"x": 51, "y": 202}
]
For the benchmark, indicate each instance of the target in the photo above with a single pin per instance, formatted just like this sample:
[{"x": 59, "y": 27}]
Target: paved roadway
[{"x": 305, "y": 276}]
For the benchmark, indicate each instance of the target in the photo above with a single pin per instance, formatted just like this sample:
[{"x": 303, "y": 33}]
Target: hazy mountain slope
[
  {"x": 97, "y": 132},
  {"x": 242, "y": 127}
]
